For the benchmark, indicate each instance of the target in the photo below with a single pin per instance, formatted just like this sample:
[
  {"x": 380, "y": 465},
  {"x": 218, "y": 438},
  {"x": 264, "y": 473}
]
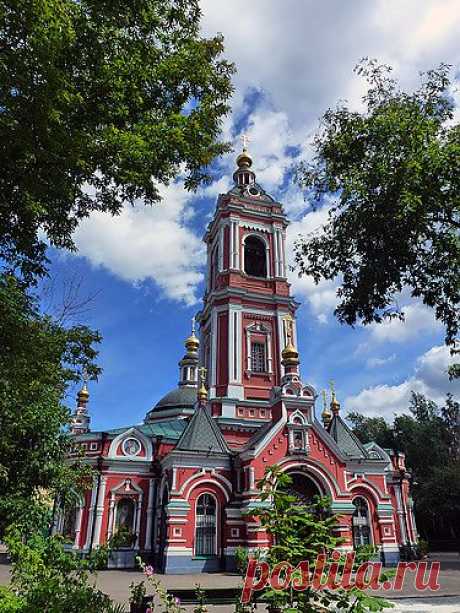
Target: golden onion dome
[
  {"x": 244, "y": 160},
  {"x": 326, "y": 417},
  {"x": 290, "y": 354},
  {"x": 192, "y": 343},
  {"x": 335, "y": 405},
  {"x": 83, "y": 394}
]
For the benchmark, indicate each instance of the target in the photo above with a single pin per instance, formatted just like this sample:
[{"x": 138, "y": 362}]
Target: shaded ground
[{"x": 446, "y": 600}]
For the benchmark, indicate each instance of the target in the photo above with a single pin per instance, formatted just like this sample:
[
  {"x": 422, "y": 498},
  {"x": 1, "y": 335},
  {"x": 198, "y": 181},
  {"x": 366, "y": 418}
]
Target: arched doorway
[
  {"x": 303, "y": 487},
  {"x": 206, "y": 526},
  {"x": 361, "y": 523}
]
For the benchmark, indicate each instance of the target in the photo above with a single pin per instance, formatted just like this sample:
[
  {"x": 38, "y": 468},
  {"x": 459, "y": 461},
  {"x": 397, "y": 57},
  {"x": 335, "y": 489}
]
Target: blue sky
[{"x": 294, "y": 60}]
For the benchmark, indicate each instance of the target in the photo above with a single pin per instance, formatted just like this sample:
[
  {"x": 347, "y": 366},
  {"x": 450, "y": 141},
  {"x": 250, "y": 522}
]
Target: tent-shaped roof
[
  {"x": 346, "y": 440},
  {"x": 202, "y": 435}
]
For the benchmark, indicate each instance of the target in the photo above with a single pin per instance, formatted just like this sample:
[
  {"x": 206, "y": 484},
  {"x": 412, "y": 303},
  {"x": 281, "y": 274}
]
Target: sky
[{"x": 144, "y": 270}]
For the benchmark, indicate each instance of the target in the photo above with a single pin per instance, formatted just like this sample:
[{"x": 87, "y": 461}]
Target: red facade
[{"x": 180, "y": 487}]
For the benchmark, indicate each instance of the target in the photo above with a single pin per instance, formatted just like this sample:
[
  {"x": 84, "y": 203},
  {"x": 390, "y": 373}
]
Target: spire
[
  {"x": 326, "y": 414},
  {"x": 202, "y": 392},
  {"x": 188, "y": 366},
  {"x": 80, "y": 420},
  {"x": 335, "y": 404}
]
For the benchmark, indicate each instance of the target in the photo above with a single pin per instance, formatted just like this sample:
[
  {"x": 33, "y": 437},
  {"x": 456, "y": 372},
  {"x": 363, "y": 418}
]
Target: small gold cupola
[
  {"x": 243, "y": 176},
  {"x": 326, "y": 415},
  {"x": 188, "y": 366},
  {"x": 335, "y": 404}
]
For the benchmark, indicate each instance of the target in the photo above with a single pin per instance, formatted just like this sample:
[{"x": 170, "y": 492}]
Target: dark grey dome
[{"x": 183, "y": 396}]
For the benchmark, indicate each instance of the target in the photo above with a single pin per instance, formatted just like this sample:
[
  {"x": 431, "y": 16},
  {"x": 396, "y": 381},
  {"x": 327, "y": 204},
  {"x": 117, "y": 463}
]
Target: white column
[
  {"x": 276, "y": 251},
  {"x": 231, "y": 344},
  {"x": 283, "y": 254},
  {"x": 252, "y": 481},
  {"x": 221, "y": 248},
  {"x": 81, "y": 506},
  {"x": 237, "y": 245},
  {"x": 111, "y": 516},
  {"x": 213, "y": 353},
  {"x": 248, "y": 349},
  {"x": 149, "y": 516},
  {"x": 269, "y": 353},
  {"x": 91, "y": 514},
  {"x": 138, "y": 520},
  {"x": 99, "y": 512},
  {"x": 230, "y": 246},
  {"x": 399, "y": 505}
]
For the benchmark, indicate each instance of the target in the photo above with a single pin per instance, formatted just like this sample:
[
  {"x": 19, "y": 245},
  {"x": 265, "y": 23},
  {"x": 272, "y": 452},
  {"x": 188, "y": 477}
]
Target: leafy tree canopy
[
  {"x": 100, "y": 101},
  {"x": 393, "y": 174},
  {"x": 39, "y": 359},
  {"x": 430, "y": 438}
]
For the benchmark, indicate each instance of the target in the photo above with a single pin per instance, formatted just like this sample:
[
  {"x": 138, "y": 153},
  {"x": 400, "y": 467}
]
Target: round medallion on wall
[{"x": 131, "y": 447}]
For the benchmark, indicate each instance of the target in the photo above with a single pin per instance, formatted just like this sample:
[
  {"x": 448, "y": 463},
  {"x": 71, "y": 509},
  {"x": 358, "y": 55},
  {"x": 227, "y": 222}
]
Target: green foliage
[
  {"x": 9, "y": 601},
  {"x": 137, "y": 592},
  {"x": 101, "y": 101},
  {"x": 393, "y": 175},
  {"x": 300, "y": 533},
  {"x": 423, "y": 548},
  {"x": 39, "y": 359},
  {"x": 46, "y": 578},
  {"x": 123, "y": 537},
  {"x": 430, "y": 439}
]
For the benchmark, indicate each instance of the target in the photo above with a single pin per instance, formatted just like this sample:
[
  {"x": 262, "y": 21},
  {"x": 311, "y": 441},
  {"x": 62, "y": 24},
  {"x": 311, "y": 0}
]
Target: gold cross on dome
[
  {"x": 245, "y": 140},
  {"x": 324, "y": 399},
  {"x": 85, "y": 376}
]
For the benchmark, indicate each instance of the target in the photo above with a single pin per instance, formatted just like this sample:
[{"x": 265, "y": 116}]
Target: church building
[{"x": 178, "y": 489}]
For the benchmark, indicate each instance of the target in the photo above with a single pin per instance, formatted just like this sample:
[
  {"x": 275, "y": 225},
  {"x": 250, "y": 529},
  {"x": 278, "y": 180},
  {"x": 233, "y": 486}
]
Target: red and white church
[{"x": 181, "y": 484}]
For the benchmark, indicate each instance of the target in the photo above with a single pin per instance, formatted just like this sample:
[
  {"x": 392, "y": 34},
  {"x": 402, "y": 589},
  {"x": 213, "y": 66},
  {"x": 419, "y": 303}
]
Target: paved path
[{"x": 446, "y": 600}]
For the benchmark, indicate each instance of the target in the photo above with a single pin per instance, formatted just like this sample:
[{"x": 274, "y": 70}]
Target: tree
[
  {"x": 429, "y": 437},
  {"x": 300, "y": 532},
  {"x": 393, "y": 173},
  {"x": 374, "y": 429},
  {"x": 100, "y": 102},
  {"x": 39, "y": 359}
]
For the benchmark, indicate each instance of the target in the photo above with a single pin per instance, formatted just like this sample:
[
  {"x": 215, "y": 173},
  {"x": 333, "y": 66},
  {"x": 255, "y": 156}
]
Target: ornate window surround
[{"x": 252, "y": 330}]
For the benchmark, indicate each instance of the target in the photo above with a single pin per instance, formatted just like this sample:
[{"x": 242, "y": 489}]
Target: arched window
[
  {"x": 255, "y": 260},
  {"x": 361, "y": 525},
  {"x": 205, "y": 526}
]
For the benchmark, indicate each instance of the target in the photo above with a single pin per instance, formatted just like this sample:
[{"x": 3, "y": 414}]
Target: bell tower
[{"x": 248, "y": 317}]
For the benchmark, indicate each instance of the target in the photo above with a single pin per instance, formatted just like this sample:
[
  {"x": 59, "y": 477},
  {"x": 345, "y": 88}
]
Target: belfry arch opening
[{"x": 255, "y": 257}]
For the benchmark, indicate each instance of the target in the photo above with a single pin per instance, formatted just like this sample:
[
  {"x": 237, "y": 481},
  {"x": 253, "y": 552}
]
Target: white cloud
[
  {"x": 302, "y": 53},
  {"x": 322, "y": 297},
  {"x": 148, "y": 243},
  {"x": 418, "y": 320},
  {"x": 377, "y": 362},
  {"x": 429, "y": 378}
]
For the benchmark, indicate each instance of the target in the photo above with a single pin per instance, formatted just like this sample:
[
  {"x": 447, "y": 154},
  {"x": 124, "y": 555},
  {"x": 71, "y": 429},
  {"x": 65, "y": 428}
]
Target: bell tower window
[
  {"x": 258, "y": 357},
  {"x": 255, "y": 259}
]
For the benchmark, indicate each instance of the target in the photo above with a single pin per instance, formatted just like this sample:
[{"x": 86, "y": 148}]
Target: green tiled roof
[{"x": 167, "y": 429}]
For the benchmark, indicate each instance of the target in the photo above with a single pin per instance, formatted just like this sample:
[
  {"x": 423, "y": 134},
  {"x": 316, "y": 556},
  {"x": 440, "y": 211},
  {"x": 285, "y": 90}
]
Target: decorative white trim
[{"x": 131, "y": 433}]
